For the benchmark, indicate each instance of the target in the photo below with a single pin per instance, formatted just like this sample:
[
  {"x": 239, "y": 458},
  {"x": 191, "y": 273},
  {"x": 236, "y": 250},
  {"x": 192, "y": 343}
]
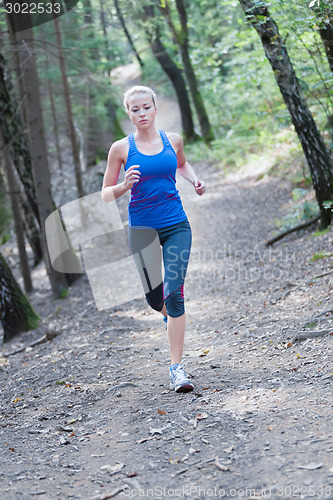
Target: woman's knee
[
  {"x": 175, "y": 303},
  {"x": 155, "y": 298}
]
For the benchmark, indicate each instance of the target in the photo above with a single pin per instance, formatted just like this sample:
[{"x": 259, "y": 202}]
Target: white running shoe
[{"x": 178, "y": 380}]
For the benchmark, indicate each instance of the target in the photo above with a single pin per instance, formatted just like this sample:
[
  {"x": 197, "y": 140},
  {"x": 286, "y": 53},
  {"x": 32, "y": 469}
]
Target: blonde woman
[{"x": 151, "y": 158}]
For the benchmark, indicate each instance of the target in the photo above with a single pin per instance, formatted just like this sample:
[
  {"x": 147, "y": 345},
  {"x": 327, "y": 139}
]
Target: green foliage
[
  {"x": 328, "y": 204},
  {"x": 30, "y": 316},
  {"x": 63, "y": 293},
  {"x": 235, "y": 79},
  {"x": 320, "y": 255},
  {"x": 320, "y": 233},
  {"x": 298, "y": 214}
]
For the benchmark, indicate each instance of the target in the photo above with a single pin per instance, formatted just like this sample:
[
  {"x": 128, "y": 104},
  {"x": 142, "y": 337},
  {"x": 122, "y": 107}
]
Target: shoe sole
[{"x": 183, "y": 388}]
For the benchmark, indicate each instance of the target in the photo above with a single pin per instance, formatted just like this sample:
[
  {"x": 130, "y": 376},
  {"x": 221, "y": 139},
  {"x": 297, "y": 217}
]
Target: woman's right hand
[{"x": 132, "y": 176}]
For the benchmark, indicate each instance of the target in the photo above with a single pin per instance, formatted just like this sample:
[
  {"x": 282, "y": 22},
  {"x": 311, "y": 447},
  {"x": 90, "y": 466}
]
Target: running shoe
[{"x": 178, "y": 380}]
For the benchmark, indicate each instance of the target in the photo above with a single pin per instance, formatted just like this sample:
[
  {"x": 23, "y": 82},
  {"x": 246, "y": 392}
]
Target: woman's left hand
[{"x": 199, "y": 187}]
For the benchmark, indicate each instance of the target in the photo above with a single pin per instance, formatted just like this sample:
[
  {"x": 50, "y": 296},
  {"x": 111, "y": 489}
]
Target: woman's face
[{"x": 141, "y": 110}]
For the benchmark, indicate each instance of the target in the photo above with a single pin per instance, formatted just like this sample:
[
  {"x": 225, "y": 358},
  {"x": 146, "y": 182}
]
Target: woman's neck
[{"x": 146, "y": 136}]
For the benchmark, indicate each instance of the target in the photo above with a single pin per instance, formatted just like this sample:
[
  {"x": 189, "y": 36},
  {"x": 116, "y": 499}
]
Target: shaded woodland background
[{"x": 253, "y": 81}]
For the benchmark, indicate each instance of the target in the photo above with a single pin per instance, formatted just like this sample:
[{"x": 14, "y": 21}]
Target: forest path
[{"x": 90, "y": 415}]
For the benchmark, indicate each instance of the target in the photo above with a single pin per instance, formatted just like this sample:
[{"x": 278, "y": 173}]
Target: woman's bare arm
[
  {"x": 116, "y": 157},
  {"x": 184, "y": 168}
]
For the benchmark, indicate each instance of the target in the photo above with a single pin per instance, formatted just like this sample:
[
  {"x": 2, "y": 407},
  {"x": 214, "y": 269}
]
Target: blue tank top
[{"x": 155, "y": 201}]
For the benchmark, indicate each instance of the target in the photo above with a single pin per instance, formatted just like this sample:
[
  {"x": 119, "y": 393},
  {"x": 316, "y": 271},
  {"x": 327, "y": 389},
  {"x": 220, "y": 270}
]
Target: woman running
[{"x": 156, "y": 216}]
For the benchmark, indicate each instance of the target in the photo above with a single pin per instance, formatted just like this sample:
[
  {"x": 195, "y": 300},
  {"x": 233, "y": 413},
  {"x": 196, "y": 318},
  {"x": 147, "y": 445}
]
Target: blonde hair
[{"x": 138, "y": 89}]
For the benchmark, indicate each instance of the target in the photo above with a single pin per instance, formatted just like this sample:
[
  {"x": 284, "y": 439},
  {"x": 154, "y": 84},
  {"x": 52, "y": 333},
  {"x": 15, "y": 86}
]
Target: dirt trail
[{"x": 89, "y": 415}]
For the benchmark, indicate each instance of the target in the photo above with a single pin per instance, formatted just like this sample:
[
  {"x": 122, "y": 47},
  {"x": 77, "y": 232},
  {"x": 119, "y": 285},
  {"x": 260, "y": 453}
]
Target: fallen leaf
[
  {"x": 220, "y": 466},
  {"x": 161, "y": 412},
  {"x": 270, "y": 428},
  {"x": 131, "y": 474},
  {"x": 311, "y": 466},
  {"x": 4, "y": 362},
  {"x": 145, "y": 439},
  {"x": 113, "y": 469},
  {"x": 204, "y": 353},
  {"x": 201, "y": 416}
]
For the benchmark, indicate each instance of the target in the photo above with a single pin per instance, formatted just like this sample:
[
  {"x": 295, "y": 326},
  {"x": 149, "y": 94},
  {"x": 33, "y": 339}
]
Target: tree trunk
[
  {"x": 38, "y": 149},
  {"x": 19, "y": 232},
  {"x": 312, "y": 143},
  {"x": 13, "y": 131},
  {"x": 181, "y": 39},
  {"x": 176, "y": 77},
  {"x": 75, "y": 151},
  {"x": 54, "y": 115},
  {"x": 15, "y": 136},
  {"x": 117, "y": 131},
  {"x": 16, "y": 313},
  {"x": 129, "y": 38},
  {"x": 104, "y": 27},
  {"x": 31, "y": 229},
  {"x": 326, "y": 33}
]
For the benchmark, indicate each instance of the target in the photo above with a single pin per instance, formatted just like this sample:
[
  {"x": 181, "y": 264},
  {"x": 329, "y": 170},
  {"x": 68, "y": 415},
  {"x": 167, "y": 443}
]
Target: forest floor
[{"x": 89, "y": 413}]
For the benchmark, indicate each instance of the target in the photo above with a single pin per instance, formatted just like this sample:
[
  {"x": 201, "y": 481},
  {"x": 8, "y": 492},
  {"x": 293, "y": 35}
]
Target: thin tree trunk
[
  {"x": 104, "y": 27},
  {"x": 326, "y": 34},
  {"x": 19, "y": 232},
  {"x": 176, "y": 78},
  {"x": 16, "y": 313},
  {"x": 15, "y": 135},
  {"x": 312, "y": 143},
  {"x": 13, "y": 130},
  {"x": 129, "y": 38},
  {"x": 38, "y": 149},
  {"x": 181, "y": 39},
  {"x": 117, "y": 131},
  {"x": 75, "y": 151},
  {"x": 54, "y": 115},
  {"x": 31, "y": 229}
]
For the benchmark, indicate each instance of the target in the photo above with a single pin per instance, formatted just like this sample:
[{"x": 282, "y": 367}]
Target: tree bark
[
  {"x": 18, "y": 224},
  {"x": 13, "y": 130},
  {"x": 75, "y": 150},
  {"x": 16, "y": 313},
  {"x": 104, "y": 27},
  {"x": 326, "y": 33},
  {"x": 38, "y": 149},
  {"x": 54, "y": 114},
  {"x": 181, "y": 39},
  {"x": 312, "y": 142},
  {"x": 176, "y": 77},
  {"x": 31, "y": 229},
  {"x": 128, "y": 36},
  {"x": 15, "y": 136}
]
